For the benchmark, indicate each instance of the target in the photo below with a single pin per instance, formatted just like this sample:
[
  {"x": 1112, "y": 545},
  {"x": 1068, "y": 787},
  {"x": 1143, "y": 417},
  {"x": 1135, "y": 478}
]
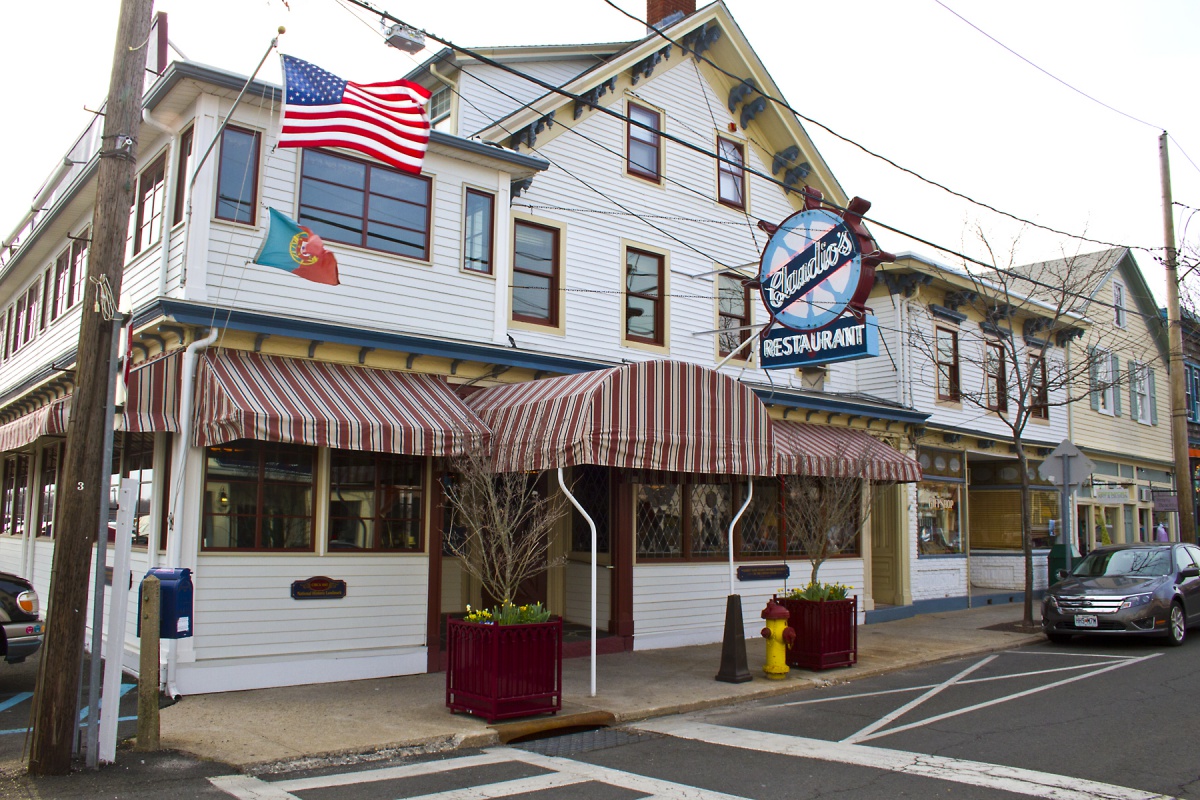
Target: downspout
[
  {"x": 174, "y": 546},
  {"x": 592, "y": 526},
  {"x": 733, "y": 523},
  {"x": 172, "y": 172}
]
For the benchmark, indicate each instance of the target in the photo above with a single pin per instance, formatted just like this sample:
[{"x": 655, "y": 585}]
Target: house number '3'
[{"x": 79, "y": 486}]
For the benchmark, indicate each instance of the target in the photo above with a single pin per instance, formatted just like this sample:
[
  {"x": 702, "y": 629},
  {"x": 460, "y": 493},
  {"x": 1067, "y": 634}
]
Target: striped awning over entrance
[
  {"x": 151, "y": 405},
  {"x": 663, "y": 415},
  {"x": 839, "y": 453},
  {"x": 243, "y": 395}
]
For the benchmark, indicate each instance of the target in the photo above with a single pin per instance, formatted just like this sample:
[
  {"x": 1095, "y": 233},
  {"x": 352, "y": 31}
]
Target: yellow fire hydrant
[{"x": 779, "y": 638}]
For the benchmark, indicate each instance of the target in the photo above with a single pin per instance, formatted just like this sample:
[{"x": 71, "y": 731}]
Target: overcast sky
[{"x": 908, "y": 80}]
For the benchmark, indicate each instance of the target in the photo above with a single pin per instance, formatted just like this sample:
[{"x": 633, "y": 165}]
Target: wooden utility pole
[
  {"x": 147, "y": 716},
  {"x": 84, "y": 477},
  {"x": 1179, "y": 437}
]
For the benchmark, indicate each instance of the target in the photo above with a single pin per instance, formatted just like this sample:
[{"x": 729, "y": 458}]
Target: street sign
[{"x": 1078, "y": 466}]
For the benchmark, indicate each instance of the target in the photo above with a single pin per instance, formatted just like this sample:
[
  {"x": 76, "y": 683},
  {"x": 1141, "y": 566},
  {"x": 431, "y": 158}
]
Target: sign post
[{"x": 1068, "y": 467}]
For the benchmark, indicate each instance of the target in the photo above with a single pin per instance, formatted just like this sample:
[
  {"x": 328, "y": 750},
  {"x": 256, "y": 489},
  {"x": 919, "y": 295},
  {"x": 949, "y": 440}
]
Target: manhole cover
[{"x": 585, "y": 741}]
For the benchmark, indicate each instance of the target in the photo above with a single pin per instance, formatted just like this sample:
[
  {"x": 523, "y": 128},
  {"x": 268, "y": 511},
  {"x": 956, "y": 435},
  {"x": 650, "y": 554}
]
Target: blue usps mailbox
[{"x": 175, "y": 603}]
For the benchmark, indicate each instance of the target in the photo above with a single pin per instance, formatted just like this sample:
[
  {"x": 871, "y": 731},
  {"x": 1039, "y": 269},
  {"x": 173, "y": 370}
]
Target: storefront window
[
  {"x": 591, "y": 489},
  {"x": 712, "y": 513},
  {"x": 762, "y": 524},
  {"x": 258, "y": 496},
  {"x": 375, "y": 501},
  {"x": 938, "y": 521},
  {"x": 48, "y": 489},
  {"x": 659, "y": 520}
]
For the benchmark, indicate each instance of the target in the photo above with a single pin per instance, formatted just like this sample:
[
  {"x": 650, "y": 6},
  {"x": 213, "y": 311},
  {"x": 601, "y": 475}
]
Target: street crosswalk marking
[
  {"x": 562, "y": 772},
  {"x": 956, "y": 770}
]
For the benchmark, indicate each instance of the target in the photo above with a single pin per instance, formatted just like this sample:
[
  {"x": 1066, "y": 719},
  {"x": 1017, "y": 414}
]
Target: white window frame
[
  {"x": 1139, "y": 391},
  {"x": 1120, "y": 317},
  {"x": 1104, "y": 382}
]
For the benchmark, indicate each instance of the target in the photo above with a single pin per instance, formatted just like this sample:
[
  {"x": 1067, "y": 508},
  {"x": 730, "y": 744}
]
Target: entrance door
[{"x": 885, "y": 561}]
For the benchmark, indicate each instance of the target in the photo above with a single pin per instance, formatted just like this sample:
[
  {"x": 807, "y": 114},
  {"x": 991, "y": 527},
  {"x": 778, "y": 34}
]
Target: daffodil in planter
[
  {"x": 825, "y": 619},
  {"x": 504, "y": 661}
]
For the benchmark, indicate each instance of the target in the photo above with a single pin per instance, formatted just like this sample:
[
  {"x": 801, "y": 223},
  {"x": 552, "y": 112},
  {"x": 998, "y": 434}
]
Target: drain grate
[{"x": 585, "y": 741}]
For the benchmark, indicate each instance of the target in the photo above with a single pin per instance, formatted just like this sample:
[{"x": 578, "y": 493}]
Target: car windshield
[{"x": 1135, "y": 561}]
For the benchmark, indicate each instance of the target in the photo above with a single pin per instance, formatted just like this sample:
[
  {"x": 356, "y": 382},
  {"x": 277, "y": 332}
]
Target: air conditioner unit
[{"x": 1145, "y": 494}]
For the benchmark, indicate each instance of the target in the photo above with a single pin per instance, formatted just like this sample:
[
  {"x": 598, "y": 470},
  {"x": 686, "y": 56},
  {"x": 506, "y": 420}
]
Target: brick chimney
[{"x": 658, "y": 10}]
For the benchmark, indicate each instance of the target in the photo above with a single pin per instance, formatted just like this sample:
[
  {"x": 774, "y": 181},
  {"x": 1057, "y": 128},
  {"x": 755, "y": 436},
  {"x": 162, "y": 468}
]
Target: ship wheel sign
[{"x": 814, "y": 279}]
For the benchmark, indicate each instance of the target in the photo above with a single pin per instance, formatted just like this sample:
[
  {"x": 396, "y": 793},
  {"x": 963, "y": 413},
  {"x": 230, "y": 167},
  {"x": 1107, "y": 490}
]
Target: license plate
[{"x": 1085, "y": 621}]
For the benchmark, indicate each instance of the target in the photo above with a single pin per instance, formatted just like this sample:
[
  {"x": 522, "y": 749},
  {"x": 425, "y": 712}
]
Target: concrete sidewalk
[{"x": 308, "y": 724}]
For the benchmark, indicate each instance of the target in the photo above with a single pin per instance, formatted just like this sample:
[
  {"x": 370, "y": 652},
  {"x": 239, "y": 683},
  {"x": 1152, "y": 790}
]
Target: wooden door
[{"x": 885, "y": 561}]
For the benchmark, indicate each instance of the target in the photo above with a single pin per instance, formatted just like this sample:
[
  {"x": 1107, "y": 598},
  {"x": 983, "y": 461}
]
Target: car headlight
[
  {"x": 1136, "y": 600},
  {"x": 28, "y": 602}
]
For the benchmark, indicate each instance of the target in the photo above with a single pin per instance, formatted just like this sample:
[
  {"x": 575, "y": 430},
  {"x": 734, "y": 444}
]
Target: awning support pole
[
  {"x": 591, "y": 525},
  {"x": 736, "y": 517}
]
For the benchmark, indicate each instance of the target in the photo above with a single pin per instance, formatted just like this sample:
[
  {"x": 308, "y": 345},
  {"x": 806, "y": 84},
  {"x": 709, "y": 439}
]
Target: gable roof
[{"x": 709, "y": 36}]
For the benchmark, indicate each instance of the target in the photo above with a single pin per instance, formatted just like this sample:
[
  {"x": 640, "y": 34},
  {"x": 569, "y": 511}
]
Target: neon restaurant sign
[{"x": 814, "y": 279}]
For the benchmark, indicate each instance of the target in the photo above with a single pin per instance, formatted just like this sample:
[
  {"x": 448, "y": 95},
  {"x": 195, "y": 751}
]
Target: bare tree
[
  {"x": 1039, "y": 339},
  {"x": 824, "y": 515},
  {"x": 502, "y": 525}
]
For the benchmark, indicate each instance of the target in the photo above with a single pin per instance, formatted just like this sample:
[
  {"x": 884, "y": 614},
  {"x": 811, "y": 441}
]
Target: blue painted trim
[
  {"x": 943, "y": 604},
  {"x": 203, "y": 315},
  {"x": 923, "y": 556}
]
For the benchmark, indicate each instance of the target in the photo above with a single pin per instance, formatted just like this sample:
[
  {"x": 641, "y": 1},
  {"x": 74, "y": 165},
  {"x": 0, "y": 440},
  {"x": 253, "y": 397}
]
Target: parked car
[
  {"x": 19, "y": 620},
  {"x": 1150, "y": 589}
]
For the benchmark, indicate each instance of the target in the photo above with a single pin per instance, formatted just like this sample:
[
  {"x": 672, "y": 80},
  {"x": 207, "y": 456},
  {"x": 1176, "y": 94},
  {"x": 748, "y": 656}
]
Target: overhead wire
[{"x": 784, "y": 105}]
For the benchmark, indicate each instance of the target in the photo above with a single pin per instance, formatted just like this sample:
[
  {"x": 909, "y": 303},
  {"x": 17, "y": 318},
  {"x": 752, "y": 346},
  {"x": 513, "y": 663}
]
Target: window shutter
[
  {"x": 1116, "y": 385},
  {"x": 1153, "y": 397},
  {"x": 1133, "y": 398},
  {"x": 1094, "y": 378}
]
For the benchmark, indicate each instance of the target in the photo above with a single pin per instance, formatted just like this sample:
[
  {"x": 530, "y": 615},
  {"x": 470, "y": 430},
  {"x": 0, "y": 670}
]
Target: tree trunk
[{"x": 1026, "y": 530}]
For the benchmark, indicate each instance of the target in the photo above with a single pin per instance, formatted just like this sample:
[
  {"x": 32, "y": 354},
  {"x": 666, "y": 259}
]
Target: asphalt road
[{"x": 1099, "y": 718}]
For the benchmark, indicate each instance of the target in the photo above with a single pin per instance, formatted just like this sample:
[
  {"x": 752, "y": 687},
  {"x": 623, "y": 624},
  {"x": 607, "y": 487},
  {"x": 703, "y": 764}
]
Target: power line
[{"x": 783, "y": 104}]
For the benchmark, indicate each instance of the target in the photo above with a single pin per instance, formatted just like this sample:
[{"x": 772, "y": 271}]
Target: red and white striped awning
[
  {"x": 663, "y": 415},
  {"x": 242, "y": 395},
  {"x": 151, "y": 404},
  {"x": 839, "y": 453}
]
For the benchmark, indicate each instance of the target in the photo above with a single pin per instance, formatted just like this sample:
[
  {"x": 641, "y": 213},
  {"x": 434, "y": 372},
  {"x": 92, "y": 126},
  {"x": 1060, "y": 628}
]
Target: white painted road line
[
  {"x": 916, "y": 701},
  {"x": 668, "y": 790},
  {"x": 562, "y": 772},
  {"x": 955, "y": 770},
  {"x": 1006, "y": 698}
]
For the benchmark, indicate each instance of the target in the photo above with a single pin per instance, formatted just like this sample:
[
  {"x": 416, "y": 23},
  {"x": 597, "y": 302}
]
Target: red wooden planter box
[
  {"x": 826, "y": 633},
  {"x": 504, "y": 671}
]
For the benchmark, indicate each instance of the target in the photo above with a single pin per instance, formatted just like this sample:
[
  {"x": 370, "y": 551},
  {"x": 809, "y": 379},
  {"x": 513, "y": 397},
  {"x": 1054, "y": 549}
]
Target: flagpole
[{"x": 220, "y": 129}]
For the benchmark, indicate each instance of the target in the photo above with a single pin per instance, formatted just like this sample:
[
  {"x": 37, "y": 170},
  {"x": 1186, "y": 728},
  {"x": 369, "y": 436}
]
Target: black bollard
[{"x": 733, "y": 646}]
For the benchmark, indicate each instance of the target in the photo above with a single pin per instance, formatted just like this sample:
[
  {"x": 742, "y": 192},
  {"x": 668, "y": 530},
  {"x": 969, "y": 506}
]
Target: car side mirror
[
  {"x": 1061, "y": 574},
  {"x": 1189, "y": 572}
]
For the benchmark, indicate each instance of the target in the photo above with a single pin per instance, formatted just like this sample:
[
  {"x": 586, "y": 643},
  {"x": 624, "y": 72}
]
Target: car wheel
[
  {"x": 1176, "y": 625},
  {"x": 1059, "y": 638}
]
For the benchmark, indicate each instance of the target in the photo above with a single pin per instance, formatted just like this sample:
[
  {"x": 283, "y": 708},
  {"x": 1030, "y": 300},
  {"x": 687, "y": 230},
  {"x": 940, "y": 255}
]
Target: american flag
[{"x": 385, "y": 120}]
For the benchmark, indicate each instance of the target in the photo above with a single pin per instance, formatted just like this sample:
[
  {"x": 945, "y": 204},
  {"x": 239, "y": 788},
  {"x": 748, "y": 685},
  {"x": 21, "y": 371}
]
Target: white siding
[
  {"x": 495, "y": 93},
  {"x": 683, "y": 604}
]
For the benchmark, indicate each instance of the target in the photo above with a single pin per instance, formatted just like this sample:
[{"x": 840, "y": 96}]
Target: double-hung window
[
  {"x": 535, "y": 273},
  {"x": 369, "y": 205},
  {"x": 995, "y": 377},
  {"x": 1103, "y": 368},
  {"x": 1192, "y": 390},
  {"x": 237, "y": 175},
  {"x": 1141, "y": 393},
  {"x": 1039, "y": 396},
  {"x": 946, "y": 351},
  {"x": 477, "y": 231},
  {"x": 151, "y": 201},
  {"x": 733, "y": 313},
  {"x": 79, "y": 266},
  {"x": 731, "y": 173},
  {"x": 644, "y": 307},
  {"x": 183, "y": 178},
  {"x": 1119, "y": 315},
  {"x": 644, "y": 145}
]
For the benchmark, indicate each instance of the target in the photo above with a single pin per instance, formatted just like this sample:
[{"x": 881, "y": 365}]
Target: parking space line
[
  {"x": 886, "y": 719},
  {"x": 1006, "y": 698},
  {"x": 956, "y": 770},
  {"x": 16, "y": 699}
]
